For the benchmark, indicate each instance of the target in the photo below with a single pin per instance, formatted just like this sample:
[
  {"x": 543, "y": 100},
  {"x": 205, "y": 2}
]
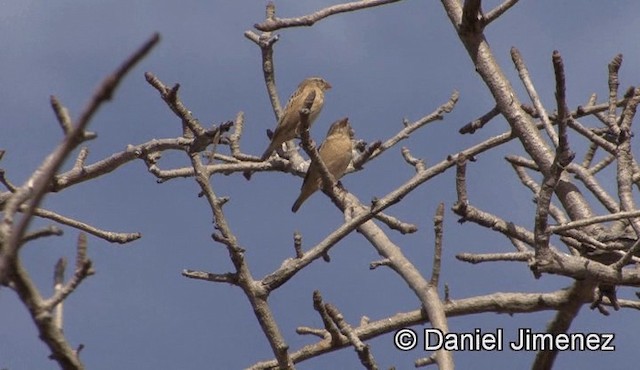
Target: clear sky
[{"x": 385, "y": 64}]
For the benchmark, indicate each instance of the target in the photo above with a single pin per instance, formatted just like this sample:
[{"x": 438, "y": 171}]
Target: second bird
[
  {"x": 288, "y": 127},
  {"x": 335, "y": 152}
]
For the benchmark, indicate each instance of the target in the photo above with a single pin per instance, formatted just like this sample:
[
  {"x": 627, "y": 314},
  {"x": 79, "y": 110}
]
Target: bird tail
[
  {"x": 296, "y": 205},
  {"x": 279, "y": 137},
  {"x": 267, "y": 153},
  {"x": 299, "y": 201}
]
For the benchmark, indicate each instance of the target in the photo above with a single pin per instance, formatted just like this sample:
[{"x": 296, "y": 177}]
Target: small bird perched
[
  {"x": 335, "y": 152},
  {"x": 288, "y": 127}
]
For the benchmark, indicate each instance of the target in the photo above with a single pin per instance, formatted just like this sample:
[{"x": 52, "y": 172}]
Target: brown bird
[
  {"x": 336, "y": 154},
  {"x": 288, "y": 127}
]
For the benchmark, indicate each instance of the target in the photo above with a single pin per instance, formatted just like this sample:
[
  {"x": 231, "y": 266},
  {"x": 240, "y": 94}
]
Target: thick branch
[{"x": 509, "y": 303}]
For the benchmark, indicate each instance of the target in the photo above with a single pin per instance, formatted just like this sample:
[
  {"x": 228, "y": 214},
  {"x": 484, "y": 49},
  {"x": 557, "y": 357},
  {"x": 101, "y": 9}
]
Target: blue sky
[{"x": 401, "y": 60}]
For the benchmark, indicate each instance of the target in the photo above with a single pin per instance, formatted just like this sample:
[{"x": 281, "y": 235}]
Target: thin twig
[
  {"x": 273, "y": 24},
  {"x": 563, "y": 157},
  {"x": 496, "y": 12},
  {"x": 523, "y": 72},
  {"x": 479, "y": 123}
]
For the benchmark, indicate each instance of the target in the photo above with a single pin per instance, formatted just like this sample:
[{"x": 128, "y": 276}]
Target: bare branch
[
  {"x": 495, "y": 257},
  {"x": 479, "y": 123},
  {"x": 38, "y": 184},
  {"x": 291, "y": 267},
  {"x": 510, "y": 303},
  {"x": 594, "y": 220},
  {"x": 266, "y": 41},
  {"x": 496, "y": 12},
  {"x": 437, "y": 255},
  {"x": 62, "y": 114},
  {"x": 83, "y": 269},
  {"x": 49, "y": 332},
  {"x": 578, "y": 294},
  {"x": 438, "y": 114},
  {"x": 461, "y": 181},
  {"x": 234, "y": 139},
  {"x": 255, "y": 293},
  {"x": 116, "y": 160},
  {"x": 614, "y": 67},
  {"x": 364, "y": 353},
  {"x": 110, "y": 236},
  {"x": 229, "y": 278},
  {"x": 272, "y": 24},
  {"x": 604, "y": 163},
  {"x": 395, "y": 224},
  {"x": 563, "y": 157},
  {"x": 533, "y": 94},
  {"x": 58, "y": 280},
  {"x": 42, "y": 233},
  {"x": 190, "y": 126},
  {"x": 329, "y": 324}
]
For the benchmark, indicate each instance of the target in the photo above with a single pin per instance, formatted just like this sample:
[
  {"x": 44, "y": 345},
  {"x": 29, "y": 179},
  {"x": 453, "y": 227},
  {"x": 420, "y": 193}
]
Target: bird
[
  {"x": 288, "y": 127},
  {"x": 335, "y": 152}
]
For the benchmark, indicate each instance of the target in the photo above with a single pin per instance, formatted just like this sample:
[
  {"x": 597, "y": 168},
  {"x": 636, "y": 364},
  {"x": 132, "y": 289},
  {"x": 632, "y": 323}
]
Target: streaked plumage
[
  {"x": 288, "y": 125},
  {"x": 336, "y": 153}
]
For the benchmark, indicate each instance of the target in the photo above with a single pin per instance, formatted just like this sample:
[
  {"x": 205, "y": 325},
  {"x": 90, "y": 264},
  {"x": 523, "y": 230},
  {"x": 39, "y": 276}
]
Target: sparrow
[
  {"x": 288, "y": 127},
  {"x": 335, "y": 152}
]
